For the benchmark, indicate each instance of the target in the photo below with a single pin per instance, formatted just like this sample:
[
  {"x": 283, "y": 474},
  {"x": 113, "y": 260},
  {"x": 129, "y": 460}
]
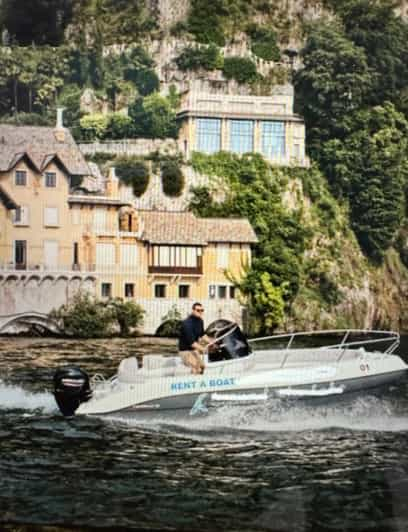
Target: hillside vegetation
[{"x": 344, "y": 222}]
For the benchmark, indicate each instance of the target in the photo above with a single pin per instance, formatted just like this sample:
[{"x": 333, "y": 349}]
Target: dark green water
[{"x": 341, "y": 467}]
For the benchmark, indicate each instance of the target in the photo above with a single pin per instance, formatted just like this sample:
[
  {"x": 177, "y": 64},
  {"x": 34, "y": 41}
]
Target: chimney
[
  {"x": 112, "y": 184},
  {"x": 59, "y": 131},
  {"x": 60, "y": 117}
]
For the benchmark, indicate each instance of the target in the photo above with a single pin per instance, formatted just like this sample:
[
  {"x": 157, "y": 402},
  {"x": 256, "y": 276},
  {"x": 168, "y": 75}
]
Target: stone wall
[{"x": 138, "y": 147}]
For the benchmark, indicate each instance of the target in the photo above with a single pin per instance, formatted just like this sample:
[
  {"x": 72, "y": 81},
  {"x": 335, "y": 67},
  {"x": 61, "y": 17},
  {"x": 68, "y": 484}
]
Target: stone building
[
  {"x": 57, "y": 238},
  {"x": 211, "y": 122}
]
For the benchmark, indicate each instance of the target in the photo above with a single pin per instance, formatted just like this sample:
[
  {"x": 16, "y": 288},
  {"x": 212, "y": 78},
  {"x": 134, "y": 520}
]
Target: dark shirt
[{"x": 191, "y": 330}]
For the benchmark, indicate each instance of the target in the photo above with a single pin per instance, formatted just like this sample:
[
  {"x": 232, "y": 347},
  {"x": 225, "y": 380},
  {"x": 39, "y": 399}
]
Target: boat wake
[
  {"x": 16, "y": 398},
  {"x": 363, "y": 414}
]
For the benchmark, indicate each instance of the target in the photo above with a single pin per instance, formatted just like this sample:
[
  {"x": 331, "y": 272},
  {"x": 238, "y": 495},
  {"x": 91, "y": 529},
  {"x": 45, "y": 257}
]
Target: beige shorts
[{"x": 193, "y": 360}]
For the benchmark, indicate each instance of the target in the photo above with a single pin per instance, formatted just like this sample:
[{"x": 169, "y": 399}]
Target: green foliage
[
  {"x": 154, "y": 117},
  {"x": 133, "y": 172},
  {"x": 205, "y": 23},
  {"x": 128, "y": 314},
  {"x": 264, "y": 42},
  {"x": 69, "y": 99},
  {"x": 242, "y": 69},
  {"x": 94, "y": 126},
  {"x": 28, "y": 119},
  {"x": 84, "y": 317},
  {"x": 334, "y": 80},
  {"x": 383, "y": 35},
  {"x": 170, "y": 324},
  {"x": 172, "y": 178},
  {"x": 119, "y": 126},
  {"x": 267, "y": 309},
  {"x": 254, "y": 191},
  {"x": 369, "y": 168},
  {"x": 207, "y": 57}
]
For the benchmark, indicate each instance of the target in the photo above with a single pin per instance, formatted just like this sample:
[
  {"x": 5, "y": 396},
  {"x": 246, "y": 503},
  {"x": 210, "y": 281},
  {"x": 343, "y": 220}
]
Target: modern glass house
[{"x": 242, "y": 124}]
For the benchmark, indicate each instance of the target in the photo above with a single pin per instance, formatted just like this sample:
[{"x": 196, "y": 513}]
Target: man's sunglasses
[{"x": 199, "y": 310}]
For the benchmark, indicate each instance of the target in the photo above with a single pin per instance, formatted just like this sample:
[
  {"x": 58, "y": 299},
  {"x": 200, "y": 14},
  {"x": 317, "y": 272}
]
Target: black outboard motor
[
  {"x": 71, "y": 388},
  {"x": 232, "y": 344}
]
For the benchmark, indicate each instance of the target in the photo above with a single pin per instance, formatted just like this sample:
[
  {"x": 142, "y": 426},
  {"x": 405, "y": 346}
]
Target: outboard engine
[
  {"x": 232, "y": 344},
  {"x": 71, "y": 388}
]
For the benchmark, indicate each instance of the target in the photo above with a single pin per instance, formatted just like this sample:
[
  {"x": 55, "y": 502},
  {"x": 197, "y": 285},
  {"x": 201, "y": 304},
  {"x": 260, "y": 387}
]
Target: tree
[
  {"x": 128, "y": 314},
  {"x": 374, "y": 26},
  {"x": 370, "y": 169},
  {"x": 154, "y": 117},
  {"x": 334, "y": 80},
  {"x": 84, "y": 317}
]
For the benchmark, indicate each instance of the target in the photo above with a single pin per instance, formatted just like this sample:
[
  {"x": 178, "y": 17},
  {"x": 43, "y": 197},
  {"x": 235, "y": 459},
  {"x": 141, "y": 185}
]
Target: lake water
[{"x": 332, "y": 468}]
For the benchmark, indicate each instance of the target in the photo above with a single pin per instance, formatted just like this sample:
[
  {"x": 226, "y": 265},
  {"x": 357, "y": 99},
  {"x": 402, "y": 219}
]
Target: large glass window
[
  {"x": 208, "y": 137},
  {"x": 241, "y": 136},
  {"x": 273, "y": 139}
]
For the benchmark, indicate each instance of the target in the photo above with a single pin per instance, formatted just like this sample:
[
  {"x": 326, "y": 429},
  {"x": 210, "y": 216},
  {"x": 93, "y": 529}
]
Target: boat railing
[{"x": 390, "y": 337}]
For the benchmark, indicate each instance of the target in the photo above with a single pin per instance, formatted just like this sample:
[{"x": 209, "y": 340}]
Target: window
[
  {"x": 222, "y": 255},
  {"x": 20, "y": 254},
  {"x": 176, "y": 256},
  {"x": 21, "y": 215},
  {"x": 232, "y": 292},
  {"x": 106, "y": 289},
  {"x": 273, "y": 139},
  {"x": 76, "y": 255},
  {"x": 129, "y": 290},
  {"x": 160, "y": 290},
  {"x": 51, "y": 216},
  {"x": 212, "y": 291},
  {"x": 21, "y": 178},
  {"x": 222, "y": 292},
  {"x": 17, "y": 215},
  {"x": 128, "y": 256},
  {"x": 241, "y": 136},
  {"x": 208, "y": 135},
  {"x": 184, "y": 290},
  {"x": 51, "y": 253},
  {"x": 105, "y": 254},
  {"x": 50, "y": 179},
  {"x": 99, "y": 221}
]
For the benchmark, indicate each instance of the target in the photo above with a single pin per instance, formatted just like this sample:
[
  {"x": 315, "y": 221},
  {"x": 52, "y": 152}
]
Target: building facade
[
  {"x": 56, "y": 238},
  {"x": 242, "y": 124}
]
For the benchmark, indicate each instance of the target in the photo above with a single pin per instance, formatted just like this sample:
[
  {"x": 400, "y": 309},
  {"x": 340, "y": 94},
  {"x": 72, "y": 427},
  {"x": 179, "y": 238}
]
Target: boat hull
[{"x": 201, "y": 402}]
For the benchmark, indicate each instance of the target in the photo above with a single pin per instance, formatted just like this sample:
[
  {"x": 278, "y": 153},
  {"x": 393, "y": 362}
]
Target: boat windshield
[{"x": 229, "y": 341}]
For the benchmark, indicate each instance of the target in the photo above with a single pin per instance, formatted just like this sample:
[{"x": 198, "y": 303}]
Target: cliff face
[{"x": 357, "y": 294}]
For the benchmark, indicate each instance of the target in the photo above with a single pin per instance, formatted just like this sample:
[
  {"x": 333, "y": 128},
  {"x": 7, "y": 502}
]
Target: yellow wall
[{"x": 36, "y": 196}]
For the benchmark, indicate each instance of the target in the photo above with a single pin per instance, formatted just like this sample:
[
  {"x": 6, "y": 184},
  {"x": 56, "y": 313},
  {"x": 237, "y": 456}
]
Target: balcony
[{"x": 176, "y": 270}]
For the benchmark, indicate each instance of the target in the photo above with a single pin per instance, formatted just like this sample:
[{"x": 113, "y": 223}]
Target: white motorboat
[{"x": 238, "y": 371}]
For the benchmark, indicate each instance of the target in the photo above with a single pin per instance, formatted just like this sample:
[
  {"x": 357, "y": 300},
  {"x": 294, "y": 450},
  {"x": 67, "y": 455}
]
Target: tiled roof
[
  {"x": 163, "y": 227},
  {"x": 41, "y": 145},
  {"x": 233, "y": 230},
  {"x": 96, "y": 200},
  {"x": 7, "y": 200}
]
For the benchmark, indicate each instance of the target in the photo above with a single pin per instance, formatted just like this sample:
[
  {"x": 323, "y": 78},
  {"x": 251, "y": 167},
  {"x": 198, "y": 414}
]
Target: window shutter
[{"x": 51, "y": 216}]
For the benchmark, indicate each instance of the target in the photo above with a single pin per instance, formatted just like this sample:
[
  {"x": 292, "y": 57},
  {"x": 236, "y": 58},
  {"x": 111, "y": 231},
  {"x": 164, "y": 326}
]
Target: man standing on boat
[{"x": 190, "y": 348}]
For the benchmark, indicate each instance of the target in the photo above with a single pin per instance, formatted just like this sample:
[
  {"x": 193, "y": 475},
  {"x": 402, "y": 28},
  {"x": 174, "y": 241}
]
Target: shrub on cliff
[
  {"x": 242, "y": 69},
  {"x": 133, "y": 172},
  {"x": 207, "y": 57},
  {"x": 172, "y": 178},
  {"x": 264, "y": 43}
]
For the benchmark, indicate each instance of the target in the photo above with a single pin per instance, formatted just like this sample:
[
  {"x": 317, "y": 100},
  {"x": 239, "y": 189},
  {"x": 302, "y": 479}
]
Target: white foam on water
[
  {"x": 364, "y": 414},
  {"x": 15, "y": 397}
]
